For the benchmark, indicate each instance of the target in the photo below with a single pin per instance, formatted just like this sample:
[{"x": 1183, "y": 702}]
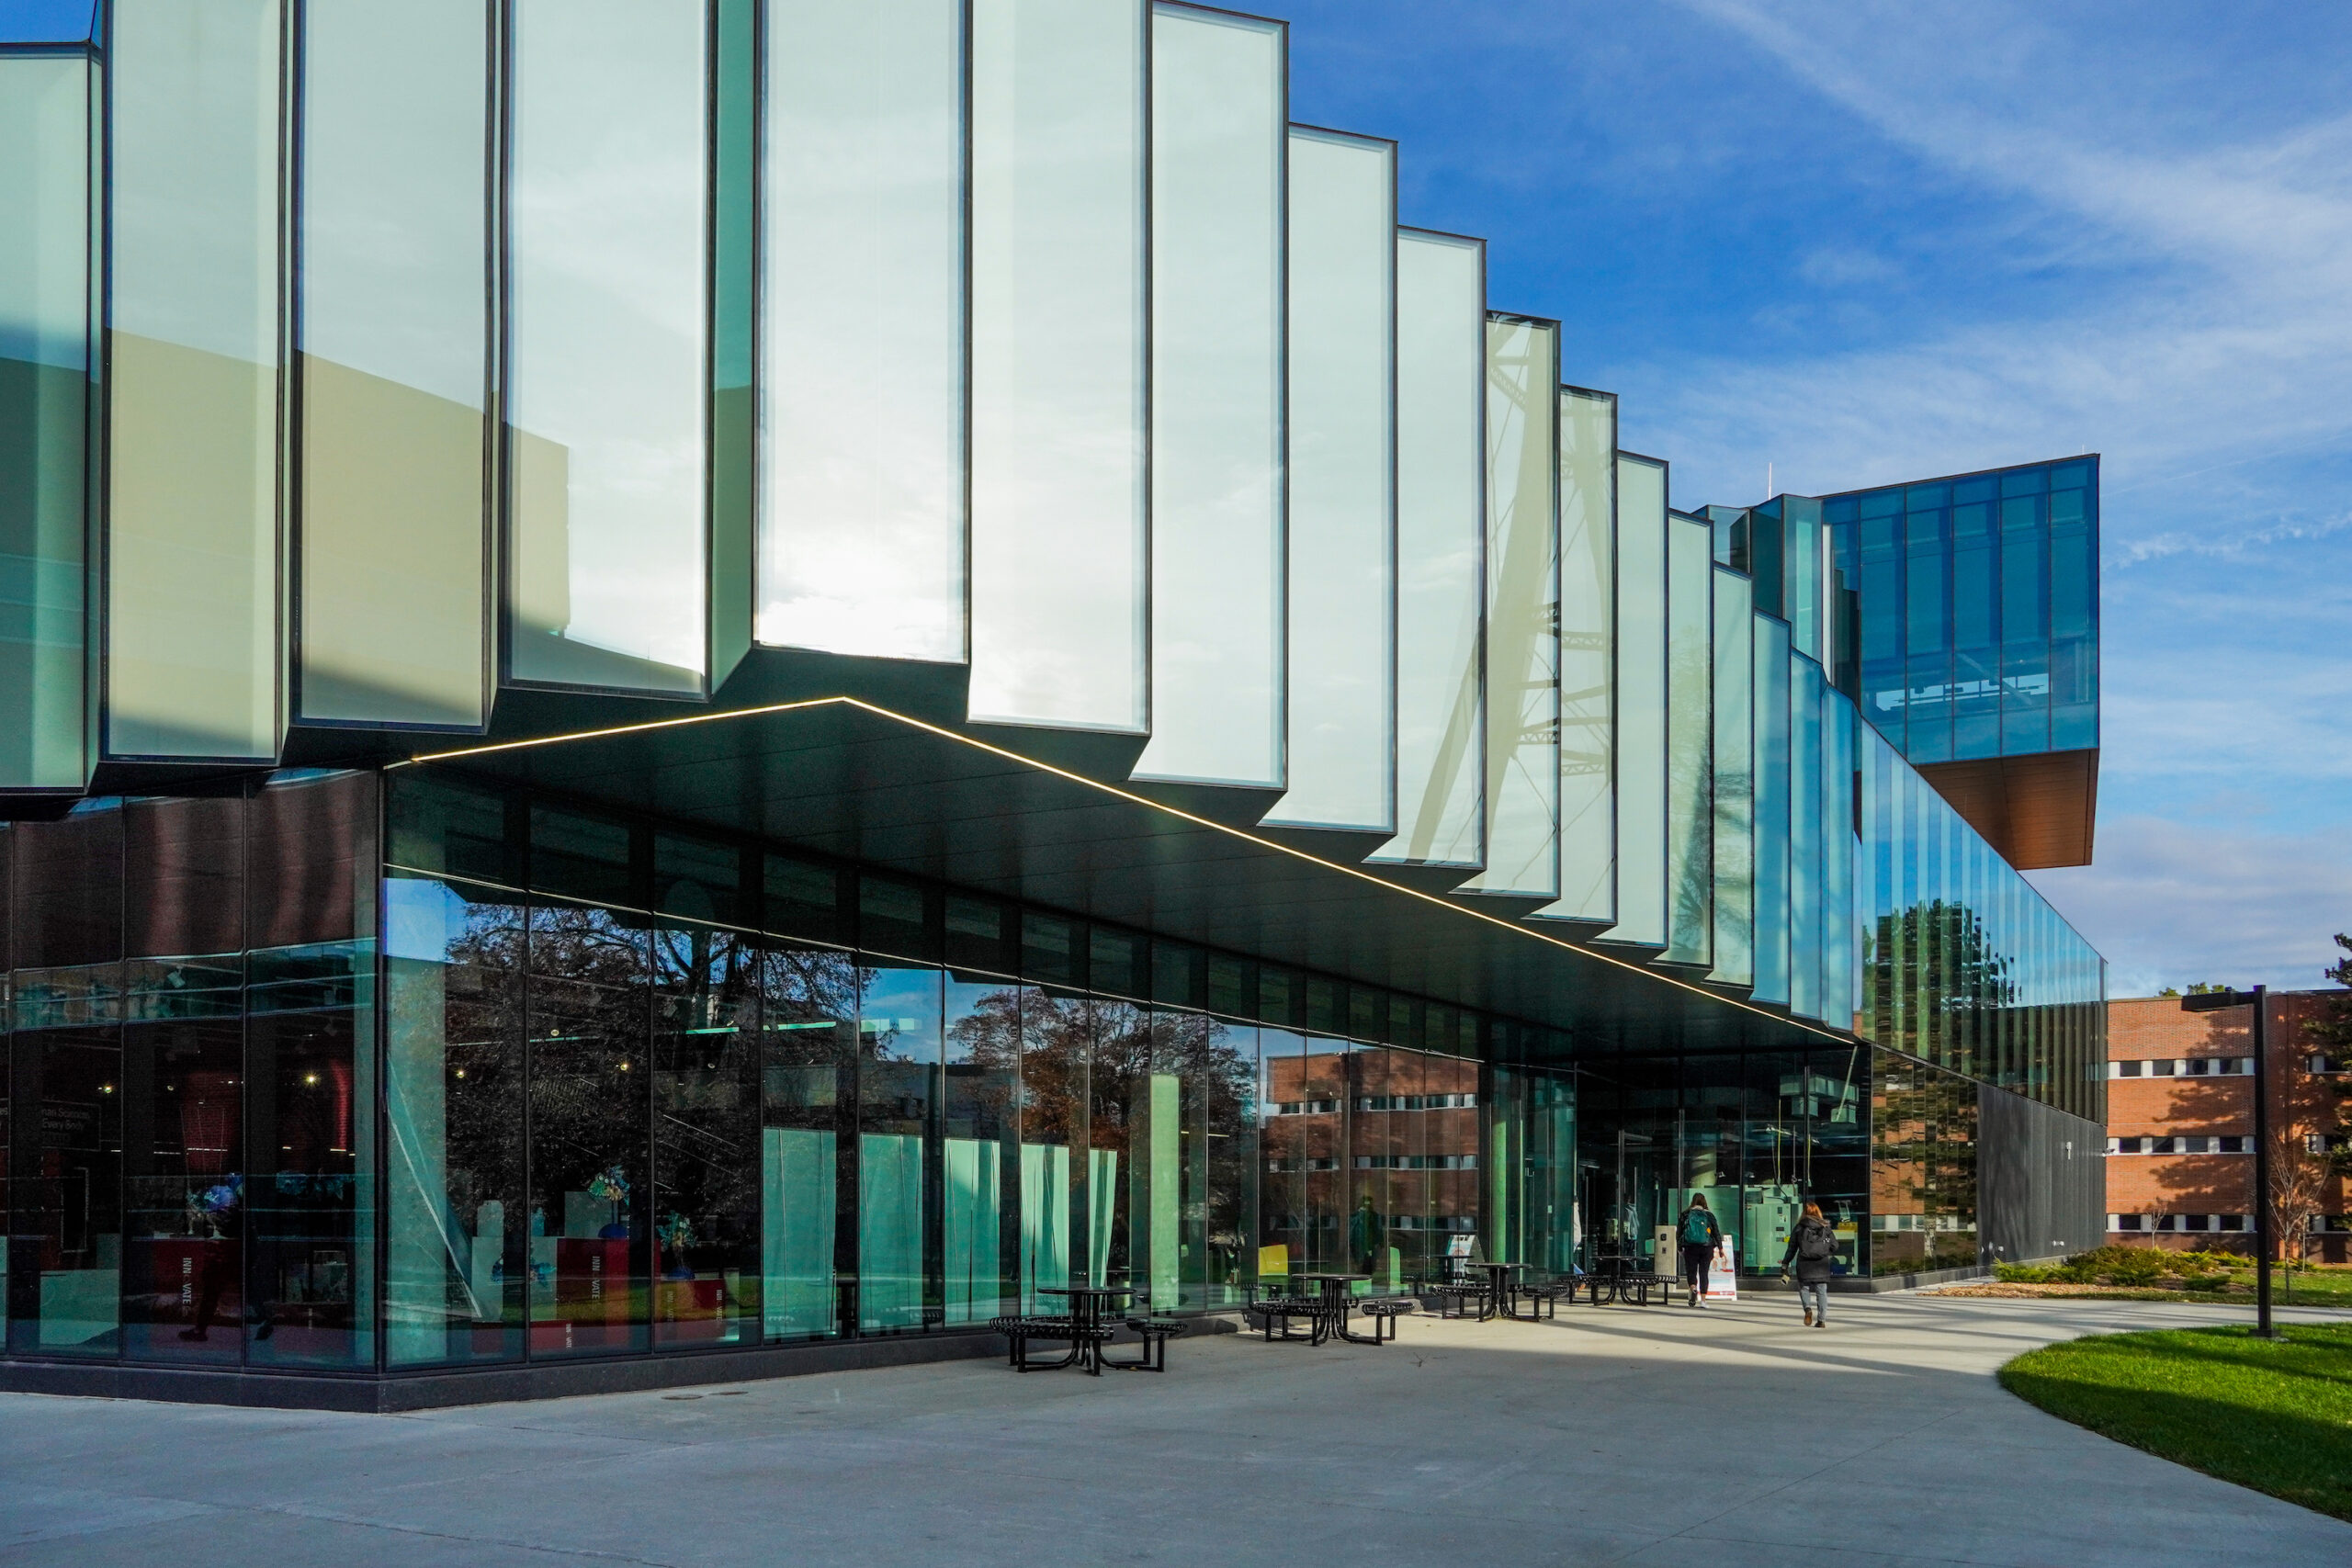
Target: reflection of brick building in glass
[{"x": 1371, "y": 1154}]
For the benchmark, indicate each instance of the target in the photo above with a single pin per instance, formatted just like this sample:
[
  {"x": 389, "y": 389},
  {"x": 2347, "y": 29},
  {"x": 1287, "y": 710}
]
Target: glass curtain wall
[
  {"x": 1758, "y": 1134},
  {"x": 1643, "y": 909},
  {"x": 862, "y": 402},
  {"x": 193, "y": 1046},
  {"x": 1961, "y": 962},
  {"x": 47, "y": 278},
  {"x": 1060, "y": 271},
  {"x": 195, "y": 664},
  {"x": 1440, "y": 544},
  {"x": 606, "y": 398},
  {"x": 1217, "y": 546},
  {"x": 1340, "y": 421},
  {"x": 1523, "y": 621},
  {"x": 392, "y": 345}
]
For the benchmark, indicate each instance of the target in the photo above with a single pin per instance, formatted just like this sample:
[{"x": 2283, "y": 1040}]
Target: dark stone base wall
[
  {"x": 2041, "y": 1177},
  {"x": 561, "y": 1380}
]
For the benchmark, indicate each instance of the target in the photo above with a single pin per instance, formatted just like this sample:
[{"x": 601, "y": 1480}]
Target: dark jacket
[
  {"x": 1714, "y": 1231},
  {"x": 1811, "y": 1271}
]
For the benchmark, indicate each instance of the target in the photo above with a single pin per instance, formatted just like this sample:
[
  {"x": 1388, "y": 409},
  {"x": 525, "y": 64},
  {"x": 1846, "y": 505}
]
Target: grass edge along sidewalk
[{"x": 2275, "y": 1415}]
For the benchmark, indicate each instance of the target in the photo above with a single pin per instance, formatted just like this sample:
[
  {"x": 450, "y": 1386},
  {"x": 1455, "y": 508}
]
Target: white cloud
[
  {"x": 2223, "y": 342},
  {"x": 2169, "y": 903}
]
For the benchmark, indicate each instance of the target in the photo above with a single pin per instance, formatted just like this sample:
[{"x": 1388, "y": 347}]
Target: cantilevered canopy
[{"x": 849, "y": 778}]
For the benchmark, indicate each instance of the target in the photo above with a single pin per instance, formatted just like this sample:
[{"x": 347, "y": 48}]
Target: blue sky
[{"x": 1866, "y": 242}]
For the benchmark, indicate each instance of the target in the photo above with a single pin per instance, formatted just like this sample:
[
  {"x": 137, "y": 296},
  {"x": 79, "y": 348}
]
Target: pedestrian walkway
[{"x": 1732, "y": 1436}]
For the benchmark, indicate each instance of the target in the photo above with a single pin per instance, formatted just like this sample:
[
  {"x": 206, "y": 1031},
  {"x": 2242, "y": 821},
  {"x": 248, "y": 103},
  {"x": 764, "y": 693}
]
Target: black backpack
[{"x": 1817, "y": 1243}]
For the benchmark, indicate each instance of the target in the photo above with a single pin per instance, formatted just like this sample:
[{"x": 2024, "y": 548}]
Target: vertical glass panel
[
  {"x": 980, "y": 1150},
  {"x": 1321, "y": 1140},
  {"x": 193, "y": 655},
  {"x": 1801, "y": 539},
  {"x": 1838, "y": 850},
  {"x": 393, "y": 339},
  {"x": 310, "y": 1235},
  {"x": 46, "y": 281},
  {"x": 1773, "y": 804},
  {"x": 861, "y": 530},
  {"x": 1587, "y": 652},
  {"x": 1054, "y": 1052},
  {"x": 1226, "y": 1148},
  {"x": 1118, "y": 1150},
  {"x": 65, "y": 1265},
  {"x": 807, "y": 1140},
  {"x": 732, "y": 586},
  {"x": 606, "y": 214},
  {"x": 65, "y": 1272},
  {"x": 1217, "y": 398},
  {"x": 1522, "y": 610},
  {"x": 1282, "y": 1192},
  {"x": 1060, "y": 273},
  {"x": 586, "y": 1018},
  {"x": 1641, "y": 702},
  {"x": 1806, "y": 873},
  {"x": 899, "y": 1117},
  {"x": 708, "y": 1142},
  {"x": 1690, "y": 741},
  {"x": 1735, "y": 779},
  {"x": 1441, "y": 546},
  {"x": 454, "y": 1253},
  {"x": 2025, "y": 624},
  {"x": 1343, "y": 470}
]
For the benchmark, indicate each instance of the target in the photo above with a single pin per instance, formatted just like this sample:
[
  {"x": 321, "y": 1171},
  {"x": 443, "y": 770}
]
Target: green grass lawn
[{"x": 2275, "y": 1415}]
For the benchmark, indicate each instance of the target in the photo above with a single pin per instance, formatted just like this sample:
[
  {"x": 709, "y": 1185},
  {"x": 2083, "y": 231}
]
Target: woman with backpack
[
  {"x": 1814, "y": 1249},
  {"x": 1700, "y": 1236}
]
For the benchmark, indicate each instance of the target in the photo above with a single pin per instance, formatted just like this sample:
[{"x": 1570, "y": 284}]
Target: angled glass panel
[
  {"x": 1641, "y": 702},
  {"x": 732, "y": 584},
  {"x": 1840, "y": 984},
  {"x": 1522, "y": 610},
  {"x": 194, "y": 665},
  {"x": 862, "y": 430},
  {"x": 1343, "y": 467},
  {"x": 1690, "y": 741},
  {"x": 1216, "y": 399},
  {"x": 1441, "y": 539},
  {"x": 393, "y": 343},
  {"x": 1772, "y": 785},
  {"x": 1807, "y": 875},
  {"x": 1587, "y": 656},
  {"x": 1735, "y": 779},
  {"x": 606, "y": 212},
  {"x": 1061, "y": 270},
  {"x": 1802, "y": 542},
  {"x": 46, "y": 279}
]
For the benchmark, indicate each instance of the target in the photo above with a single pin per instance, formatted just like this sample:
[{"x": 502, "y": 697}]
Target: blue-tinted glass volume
[{"x": 1979, "y": 600}]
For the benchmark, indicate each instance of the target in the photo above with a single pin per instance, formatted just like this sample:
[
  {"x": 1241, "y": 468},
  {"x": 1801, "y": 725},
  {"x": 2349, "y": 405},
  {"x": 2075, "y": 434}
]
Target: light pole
[{"x": 2214, "y": 1001}]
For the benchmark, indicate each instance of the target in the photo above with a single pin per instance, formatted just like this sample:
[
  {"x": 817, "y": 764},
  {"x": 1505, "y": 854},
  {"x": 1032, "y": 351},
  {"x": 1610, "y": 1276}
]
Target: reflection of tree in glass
[
  {"x": 1936, "y": 958},
  {"x": 705, "y": 1109}
]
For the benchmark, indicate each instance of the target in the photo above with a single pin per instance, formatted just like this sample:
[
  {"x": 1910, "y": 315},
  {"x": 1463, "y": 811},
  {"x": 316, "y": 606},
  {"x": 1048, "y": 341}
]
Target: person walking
[
  {"x": 1700, "y": 1237},
  {"x": 1813, "y": 1247}
]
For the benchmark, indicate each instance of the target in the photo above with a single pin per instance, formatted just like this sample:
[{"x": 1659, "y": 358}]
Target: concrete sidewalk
[{"x": 1729, "y": 1437}]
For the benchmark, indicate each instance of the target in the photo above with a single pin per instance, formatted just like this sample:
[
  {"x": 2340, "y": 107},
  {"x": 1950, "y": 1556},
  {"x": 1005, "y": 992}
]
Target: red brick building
[{"x": 2181, "y": 1123}]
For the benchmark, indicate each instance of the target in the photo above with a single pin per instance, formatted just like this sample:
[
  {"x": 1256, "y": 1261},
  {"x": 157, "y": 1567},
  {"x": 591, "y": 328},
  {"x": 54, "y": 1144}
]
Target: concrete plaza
[{"x": 1732, "y": 1436}]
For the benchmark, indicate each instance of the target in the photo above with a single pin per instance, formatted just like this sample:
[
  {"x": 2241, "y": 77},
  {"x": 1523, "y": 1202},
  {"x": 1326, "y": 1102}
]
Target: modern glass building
[{"x": 691, "y": 689}]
